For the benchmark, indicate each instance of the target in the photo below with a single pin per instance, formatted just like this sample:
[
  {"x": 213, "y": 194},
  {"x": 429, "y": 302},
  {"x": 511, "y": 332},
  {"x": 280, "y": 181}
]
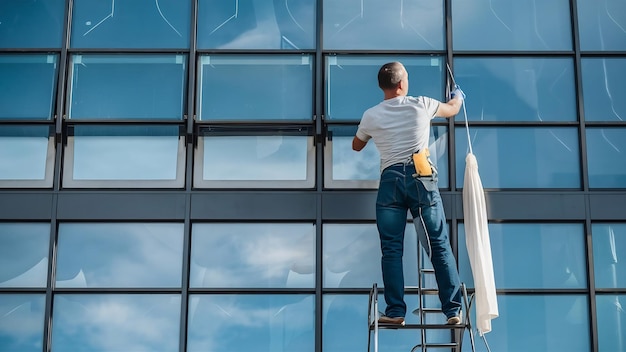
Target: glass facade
[{"x": 177, "y": 175}]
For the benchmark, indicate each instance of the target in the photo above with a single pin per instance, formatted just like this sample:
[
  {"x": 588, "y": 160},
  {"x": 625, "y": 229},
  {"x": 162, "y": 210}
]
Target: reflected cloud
[{"x": 21, "y": 319}]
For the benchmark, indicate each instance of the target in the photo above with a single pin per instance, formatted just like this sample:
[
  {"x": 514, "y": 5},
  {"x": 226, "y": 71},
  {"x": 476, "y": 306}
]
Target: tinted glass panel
[
  {"x": 24, "y": 254},
  {"x": 26, "y": 156},
  {"x": 542, "y": 323},
  {"x": 611, "y": 322},
  {"x": 381, "y": 24},
  {"x": 127, "y": 86},
  {"x": 31, "y": 24},
  {"x": 21, "y": 322},
  {"x": 277, "y": 323},
  {"x": 27, "y": 85},
  {"x": 507, "y": 25},
  {"x": 604, "y": 147},
  {"x": 517, "y": 89},
  {"x": 609, "y": 244},
  {"x": 267, "y": 87},
  {"x": 345, "y": 168},
  {"x": 278, "y": 161},
  {"x": 119, "y": 255},
  {"x": 553, "y": 256},
  {"x": 352, "y": 256},
  {"x": 521, "y": 157},
  {"x": 253, "y": 255},
  {"x": 603, "y": 85},
  {"x": 352, "y": 82},
  {"x": 256, "y": 24},
  {"x": 602, "y": 24},
  {"x": 116, "y": 322},
  {"x": 111, "y": 156},
  {"x": 130, "y": 24}
]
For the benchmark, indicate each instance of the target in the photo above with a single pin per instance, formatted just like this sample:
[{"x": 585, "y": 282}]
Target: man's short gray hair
[{"x": 390, "y": 74}]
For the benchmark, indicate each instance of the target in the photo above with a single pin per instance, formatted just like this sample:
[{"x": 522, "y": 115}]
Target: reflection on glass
[
  {"x": 518, "y": 89},
  {"x": 255, "y": 87},
  {"x": 21, "y": 322},
  {"x": 549, "y": 157},
  {"x": 351, "y": 256},
  {"x": 116, "y": 322},
  {"x": 256, "y": 24},
  {"x": 553, "y": 256},
  {"x": 602, "y": 24},
  {"x": 611, "y": 322},
  {"x": 26, "y": 156},
  {"x": 31, "y": 24},
  {"x": 603, "y": 87},
  {"x": 279, "y": 161},
  {"x": 28, "y": 85},
  {"x": 24, "y": 254},
  {"x": 130, "y": 24},
  {"x": 506, "y": 25},
  {"x": 346, "y": 168},
  {"x": 131, "y": 86},
  {"x": 609, "y": 244},
  {"x": 119, "y": 255},
  {"x": 277, "y": 323},
  {"x": 352, "y": 82},
  {"x": 253, "y": 255},
  {"x": 538, "y": 323},
  {"x": 110, "y": 156},
  {"x": 605, "y": 151},
  {"x": 376, "y": 24}
]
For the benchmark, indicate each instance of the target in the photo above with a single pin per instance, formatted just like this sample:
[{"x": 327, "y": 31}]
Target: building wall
[{"x": 177, "y": 175}]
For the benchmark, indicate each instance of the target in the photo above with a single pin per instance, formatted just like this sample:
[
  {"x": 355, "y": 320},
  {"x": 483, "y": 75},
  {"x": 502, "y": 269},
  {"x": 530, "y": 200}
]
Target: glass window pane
[
  {"x": 256, "y": 24},
  {"x": 119, "y": 156},
  {"x": 31, "y": 24},
  {"x": 602, "y": 24},
  {"x": 127, "y": 86},
  {"x": 517, "y": 89},
  {"x": 271, "y": 161},
  {"x": 116, "y": 322},
  {"x": 553, "y": 256},
  {"x": 604, "y": 147},
  {"x": 276, "y": 87},
  {"x": 352, "y": 82},
  {"x": 549, "y": 157},
  {"x": 381, "y": 24},
  {"x": 130, "y": 24},
  {"x": 28, "y": 85},
  {"x": 538, "y": 323},
  {"x": 91, "y": 255},
  {"x": 345, "y": 168},
  {"x": 603, "y": 86},
  {"x": 27, "y": 156},
  {"x": 253, "y": 255},
  {"x": 352, "y": 255},
  {"x": 277, "y": 323},
  {"x": 611, "y": 322},
  {"x": 609, "y": 243},
  {"x": 22, "y": 322},
  {"x": 24, "y": 254},
  {"x": 511, "y": 25}
]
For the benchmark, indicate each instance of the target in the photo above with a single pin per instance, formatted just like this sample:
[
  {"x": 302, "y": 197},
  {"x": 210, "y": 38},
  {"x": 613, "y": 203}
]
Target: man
[{"x": 400, "y": 128}]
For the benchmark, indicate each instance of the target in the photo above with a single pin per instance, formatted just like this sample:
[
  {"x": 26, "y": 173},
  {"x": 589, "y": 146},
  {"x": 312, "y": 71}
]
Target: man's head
[{"x": 393, "y": 78}]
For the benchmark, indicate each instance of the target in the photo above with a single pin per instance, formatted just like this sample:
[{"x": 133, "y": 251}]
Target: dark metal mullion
[{"x": 320, "y": 125}]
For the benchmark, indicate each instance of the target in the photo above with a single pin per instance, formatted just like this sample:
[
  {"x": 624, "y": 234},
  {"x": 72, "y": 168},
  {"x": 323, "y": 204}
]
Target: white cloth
[{"x": 479, "y": 246}]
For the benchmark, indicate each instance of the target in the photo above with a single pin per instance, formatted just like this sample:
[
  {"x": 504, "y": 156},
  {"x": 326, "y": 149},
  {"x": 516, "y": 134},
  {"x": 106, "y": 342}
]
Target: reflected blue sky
[
  {"x": 21, "y": 322},
  {"x": 609, "y": 249},
  {"x": 17, "y": 19},
  {"x": 23, "y": 158},
  {"x": 611, "y": 322},
  {"x": 603, "y": 85},
  {"x": 119, "y": 255},
  {"x": 24, "y": 254},
  {"x": 116, "y": 322},
  {"x": 602, "y": 24},
  {"x": 606, "y": 148},
  {"x": 253, "y": 255}
]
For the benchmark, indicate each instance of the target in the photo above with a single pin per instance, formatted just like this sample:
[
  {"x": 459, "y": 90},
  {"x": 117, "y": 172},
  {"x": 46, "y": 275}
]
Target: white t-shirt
[{"x": 399, "y": 127}]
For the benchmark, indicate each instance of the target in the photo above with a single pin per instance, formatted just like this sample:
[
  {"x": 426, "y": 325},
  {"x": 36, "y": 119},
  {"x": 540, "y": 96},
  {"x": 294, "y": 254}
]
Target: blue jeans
[{"x": 398, "y": 192}]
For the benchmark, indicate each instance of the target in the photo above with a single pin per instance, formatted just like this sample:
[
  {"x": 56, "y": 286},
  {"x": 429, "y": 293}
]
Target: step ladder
[{"x": 456, "y": 331}]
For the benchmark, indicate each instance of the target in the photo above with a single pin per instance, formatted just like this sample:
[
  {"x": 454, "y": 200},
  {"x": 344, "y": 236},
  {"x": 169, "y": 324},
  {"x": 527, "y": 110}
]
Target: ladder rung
[
  {"x": 420, "y": 326},
  {"x": 427, "y": 310},
  {"x": 438, "y": 345},
  {"x": 427, "y": 271}
]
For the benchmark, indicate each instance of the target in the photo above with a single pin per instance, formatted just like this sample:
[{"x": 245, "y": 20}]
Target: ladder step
[
  {"x": 438, "y": 345},
  {"x": 427, "y": 310},
  {"x": 420, "y": 326},
  {"x": 427, "y": 271}
]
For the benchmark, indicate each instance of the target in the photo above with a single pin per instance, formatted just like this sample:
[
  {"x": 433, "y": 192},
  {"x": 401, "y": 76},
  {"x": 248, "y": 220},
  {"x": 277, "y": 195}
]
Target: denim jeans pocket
[{"x": 387, "y": 192}]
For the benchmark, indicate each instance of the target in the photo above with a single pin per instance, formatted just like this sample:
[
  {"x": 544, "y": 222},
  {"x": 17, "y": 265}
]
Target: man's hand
[{"x": 457, "y": 92}]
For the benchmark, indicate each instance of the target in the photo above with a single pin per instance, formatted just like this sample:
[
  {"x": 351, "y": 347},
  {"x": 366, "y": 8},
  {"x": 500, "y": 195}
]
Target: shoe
[
  {"x": 391, "y": 321},
  {"x": 455, "y": 320}
]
